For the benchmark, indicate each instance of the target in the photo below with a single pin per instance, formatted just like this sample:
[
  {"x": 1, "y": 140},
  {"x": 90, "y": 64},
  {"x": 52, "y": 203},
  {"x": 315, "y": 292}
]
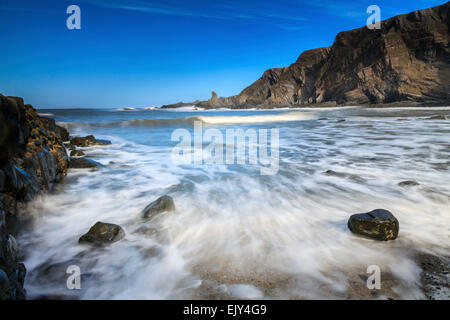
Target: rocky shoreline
[
  {"x": 35, "y": 155},
  {"x": 33, "y": 158}
]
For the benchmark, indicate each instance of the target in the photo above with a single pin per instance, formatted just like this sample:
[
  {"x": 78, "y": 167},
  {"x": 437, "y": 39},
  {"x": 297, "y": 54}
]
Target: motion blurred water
[{"x": 236, "y": 233}]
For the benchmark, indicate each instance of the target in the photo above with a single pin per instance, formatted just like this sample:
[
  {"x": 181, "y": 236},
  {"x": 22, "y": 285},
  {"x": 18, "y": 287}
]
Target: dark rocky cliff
[
  {"x": 32, "y": 159},
  {"x": 407, "y": 60}
]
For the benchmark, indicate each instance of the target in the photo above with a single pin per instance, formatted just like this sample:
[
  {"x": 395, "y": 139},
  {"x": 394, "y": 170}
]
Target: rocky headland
[
  {"x": 32, "y": 159},
  {"x": 405, "y": 63}
]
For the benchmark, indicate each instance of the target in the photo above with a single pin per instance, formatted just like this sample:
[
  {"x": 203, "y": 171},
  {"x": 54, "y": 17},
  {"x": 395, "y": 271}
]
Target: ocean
[{"x": 237, "y": 233}]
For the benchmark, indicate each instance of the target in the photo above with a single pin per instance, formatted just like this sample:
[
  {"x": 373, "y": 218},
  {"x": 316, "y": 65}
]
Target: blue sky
[{"x": 146, "y": 52}]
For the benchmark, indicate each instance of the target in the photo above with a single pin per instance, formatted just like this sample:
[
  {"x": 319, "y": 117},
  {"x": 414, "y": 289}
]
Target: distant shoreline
[
  {"x": 43, "y": 111},
  {"x": 400, "y": 104}
]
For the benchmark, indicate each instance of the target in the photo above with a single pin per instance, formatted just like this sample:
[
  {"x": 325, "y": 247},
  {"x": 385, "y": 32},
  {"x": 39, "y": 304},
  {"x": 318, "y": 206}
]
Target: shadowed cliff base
[{"x": 405, "y": 63}]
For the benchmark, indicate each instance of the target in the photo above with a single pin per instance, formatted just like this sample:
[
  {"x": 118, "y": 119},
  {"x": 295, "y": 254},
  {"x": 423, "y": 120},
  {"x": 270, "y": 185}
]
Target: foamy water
[
  {"x": 235, "y": 233},
  {"x": 283, "y": 117}
]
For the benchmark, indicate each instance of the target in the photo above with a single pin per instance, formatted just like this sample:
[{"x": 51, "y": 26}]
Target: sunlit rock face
[
  {"x": 407, "y": 60},
  {"x": 32, "y": 159}
]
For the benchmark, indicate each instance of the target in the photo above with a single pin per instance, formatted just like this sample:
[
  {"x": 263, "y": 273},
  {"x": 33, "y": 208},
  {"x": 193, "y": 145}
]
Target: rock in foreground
[
  {"x": 162, "y": 204},
  {"x": 32, "y": 159},
  {"x": 408, "y": 183},
  {"x": 77, "y": 153},
  {"x": 83, "y": 163},
  {"x": 88, "y": 141},
  {"x": 378, "y": 224},
  {"x": 103, "y": 233}
]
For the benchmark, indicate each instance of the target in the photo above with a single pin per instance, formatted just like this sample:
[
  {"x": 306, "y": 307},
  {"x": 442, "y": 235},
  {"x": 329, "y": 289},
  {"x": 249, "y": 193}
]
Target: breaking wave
[
  {"x": 284, "y": 117},
  {"x": 238, "y": 235}
]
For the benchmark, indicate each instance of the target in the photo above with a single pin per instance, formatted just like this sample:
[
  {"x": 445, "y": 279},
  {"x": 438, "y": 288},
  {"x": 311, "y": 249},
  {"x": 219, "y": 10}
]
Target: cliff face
[
  {"x": 32, "y": 159},
  {"x": 408, "y": 59}
]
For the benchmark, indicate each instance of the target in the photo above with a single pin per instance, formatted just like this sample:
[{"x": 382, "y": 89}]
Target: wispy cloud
[
  {"x": 207, "y": 10},
  {"x": 293, "y": 28},
  {"x": 344, "y": 9},
  {"x": 284, "y": 17},
  {"x": 152, "y": 7},
  {"x": 278, "y": 14},
  {"x": 356, "y": 9}
]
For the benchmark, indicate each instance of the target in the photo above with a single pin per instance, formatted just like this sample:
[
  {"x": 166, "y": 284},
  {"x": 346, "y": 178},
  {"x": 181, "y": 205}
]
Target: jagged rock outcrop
[
  {"x": 88, "y": 141},
  {"x": 180, "y": 104},
  {"x": 32, "y": 159},
  {"x": 407, "y": 60}
]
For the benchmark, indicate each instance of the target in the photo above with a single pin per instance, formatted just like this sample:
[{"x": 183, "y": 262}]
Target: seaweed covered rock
[
  {"x": 103, "y": 233},
  {"x": 32, "y": 158},
  {"x": 88, "y": 141},
  {"x": 378, "y": 224},
  {"x": 83, "y": 163},
  {"x": 63, "y": 133},
  {"x": 77, "y": 153}
]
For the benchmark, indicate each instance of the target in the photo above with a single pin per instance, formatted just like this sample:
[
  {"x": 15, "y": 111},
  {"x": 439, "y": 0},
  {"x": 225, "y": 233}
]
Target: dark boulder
[
  {"x": 437, "y": 117},
  {"x": 378, "y": 224},
  {"x": 77, "y": 153},
  {"x": 103, "y": 233},
  {"x": 344, "y": 175},
  {"x": 88, "y": 141},
  {"x": 83, "y": 163},
  {"x": 335, "y": 174},
  {"x": 408, "y": 183},
  {"x": 162, "y": 204}
]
